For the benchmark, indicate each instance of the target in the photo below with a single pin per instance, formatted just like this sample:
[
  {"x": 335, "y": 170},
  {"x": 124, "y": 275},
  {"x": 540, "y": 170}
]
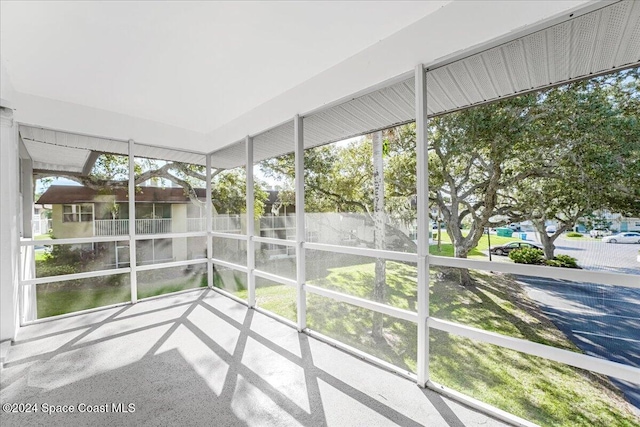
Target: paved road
[{"x": 603, "y": 321}]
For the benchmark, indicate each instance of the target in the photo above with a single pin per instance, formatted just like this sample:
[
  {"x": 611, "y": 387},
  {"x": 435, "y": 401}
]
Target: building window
[{"x": 77, "y": 213}]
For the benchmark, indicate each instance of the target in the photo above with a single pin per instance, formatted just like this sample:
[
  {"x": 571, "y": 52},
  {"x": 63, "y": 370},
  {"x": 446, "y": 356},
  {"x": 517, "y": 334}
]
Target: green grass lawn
[
  {"x": 40, "y": 255},
  {"x": 536, "y": 389},
  {"x": 446, "y": 248},
  {"x": 75, "y": 295}
]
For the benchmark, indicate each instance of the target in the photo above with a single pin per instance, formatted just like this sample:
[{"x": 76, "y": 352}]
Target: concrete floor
[{"x": 200, "y": 358}]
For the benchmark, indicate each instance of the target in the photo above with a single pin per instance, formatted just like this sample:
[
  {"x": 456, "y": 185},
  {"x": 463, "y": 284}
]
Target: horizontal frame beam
[
  {"x": 230, "y": 296},
  {"x": 576, "y": 275},
  {"x": 161, "y": 265},
  {"x": 75, "y": 241},
  {"x": 171, "y": 235},
  {"x": 272, "y": 241},
  {"x": 229, "y": 235},
  {"x": 76, "y": 276},
  {"x": 373, "y": 253},
  {"x": 230, "y": 265},
  {"x": 276, "y": 317},
  {"x": 275, "y": 278},
  {"x": 364, "y": 303},
  {"x": 578, "y": 360}
]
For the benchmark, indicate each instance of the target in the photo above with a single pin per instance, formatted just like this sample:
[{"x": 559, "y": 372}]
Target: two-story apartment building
[{"x": 79, "y": 211}]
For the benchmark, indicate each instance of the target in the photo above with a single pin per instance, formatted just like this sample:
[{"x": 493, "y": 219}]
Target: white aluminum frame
[
  {"x": 228, "y": 235},
  {"x": 422, "y": 190},
  {"x": 275, "y": 278},
  {"x": 75, "y": 276},
  {"x": 133, "y": 261},
  {"x": 161, "y": 265},
  {"x": 576, "y": 275},
  {"x": 578, "y": 360},
  {"x": 251, "y": 224},
  {"x": 378, "y": 307},
  {"x": 373, "y": 253},
  {"x": 209, "y": 222},
  {"x": 171, "y": 235},
  {"x": 301, "y": 301}
]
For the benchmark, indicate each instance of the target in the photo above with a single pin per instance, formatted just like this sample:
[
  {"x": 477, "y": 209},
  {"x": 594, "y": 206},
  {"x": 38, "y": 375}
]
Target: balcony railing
[
  {"x": 277, "y": 222},
  {"x": 196, "y": 224},
  {"x": 231, "y": 223},
  {"x": 227, "y": 223},
  {"x": 119, "y": 227}
]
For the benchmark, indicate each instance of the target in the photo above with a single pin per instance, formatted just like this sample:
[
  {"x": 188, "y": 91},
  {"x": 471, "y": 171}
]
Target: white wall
[
  {"x": 6, "y": 88},
  {"x": 76, "y": 118},
  {"x": 9, "y": 226}
]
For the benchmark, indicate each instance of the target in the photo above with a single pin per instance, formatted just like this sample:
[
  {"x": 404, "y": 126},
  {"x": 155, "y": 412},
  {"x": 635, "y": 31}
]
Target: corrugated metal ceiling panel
[
  {"x": 381, "y": 109},
  {"x": 56, "y": 158},
  {"x": 161, "y": 153},
  {"x": 229, "y": 157},
  {"x": 71, "y": 140},
  {"x": 58, "y": 150},
  {"x": 273, "y": 142},
  {"x": 605, "y": 39}
]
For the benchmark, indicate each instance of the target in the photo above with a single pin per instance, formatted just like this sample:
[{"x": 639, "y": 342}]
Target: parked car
[
  {"x": 631, "y": 237},
  {"x": 599, "y": 232},
  {"x": 551, "y": 229},
  {"x": 508, "y": 247}
]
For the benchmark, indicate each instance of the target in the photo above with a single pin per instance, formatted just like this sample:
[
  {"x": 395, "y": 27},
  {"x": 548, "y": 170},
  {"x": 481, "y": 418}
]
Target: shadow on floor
[{"x": 207, "y": 361}]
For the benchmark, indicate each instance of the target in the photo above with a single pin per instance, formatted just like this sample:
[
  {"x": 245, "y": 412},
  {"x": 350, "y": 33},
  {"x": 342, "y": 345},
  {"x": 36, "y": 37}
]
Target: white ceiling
[{"x": 195, "y": 65}]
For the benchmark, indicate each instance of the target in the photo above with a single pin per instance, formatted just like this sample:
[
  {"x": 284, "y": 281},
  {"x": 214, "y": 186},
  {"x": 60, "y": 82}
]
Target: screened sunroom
[{"x": 449, "y": 243}]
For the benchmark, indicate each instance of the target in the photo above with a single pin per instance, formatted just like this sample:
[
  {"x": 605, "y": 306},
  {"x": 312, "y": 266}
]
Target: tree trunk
[
  {"x": 439, "y": 231},
  {"x": 463, "y": 275},
  {"x": 547, "y": 241},
  {"x": 379, "y": 233}
]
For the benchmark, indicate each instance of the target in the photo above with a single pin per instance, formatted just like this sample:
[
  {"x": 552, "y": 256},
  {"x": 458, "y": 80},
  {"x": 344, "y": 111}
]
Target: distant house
[
  {"x": 78, "y": 211},
  {"x": 623, "y": 224}
]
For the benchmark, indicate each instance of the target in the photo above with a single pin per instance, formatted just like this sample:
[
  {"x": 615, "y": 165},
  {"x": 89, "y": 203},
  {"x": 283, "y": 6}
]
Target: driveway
[{"x": 603, "y": 321}]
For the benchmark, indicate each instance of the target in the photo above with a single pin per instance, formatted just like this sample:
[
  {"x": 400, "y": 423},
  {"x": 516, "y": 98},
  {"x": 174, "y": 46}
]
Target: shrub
[
  {"x": 46, "y": 268},
  {"x": 565, "y": 261},
  {"x": 553, "y": 263},
  {"x": 536, "y": 256},
  {"x": 574, "y": 234},
  {"x": 527, "y": 256}
]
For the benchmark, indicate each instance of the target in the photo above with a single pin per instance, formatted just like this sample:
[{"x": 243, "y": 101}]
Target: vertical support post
[
  {"x": 301, "y": 300},
  {"x": 251, "y": 227},
  {"x": 422, "y": 189},
  {"x": 132, "y": 223},
  {"x": 209, "y": 222},
  {"x": 28, "y": 301},
  {"x": 27, "y": 197}
]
